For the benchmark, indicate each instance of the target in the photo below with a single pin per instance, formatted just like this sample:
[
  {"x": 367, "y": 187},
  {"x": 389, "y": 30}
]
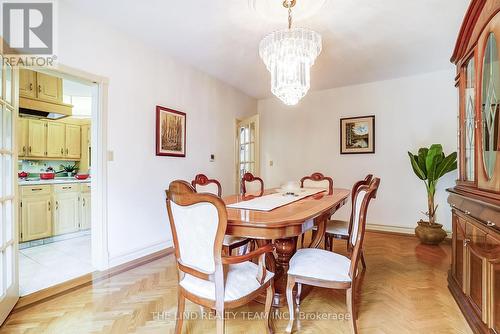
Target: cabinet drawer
[
  {"x": 66, "y": 188},
  {"x": 35, "y": 190},
  {"x": 85, "y": 187}
]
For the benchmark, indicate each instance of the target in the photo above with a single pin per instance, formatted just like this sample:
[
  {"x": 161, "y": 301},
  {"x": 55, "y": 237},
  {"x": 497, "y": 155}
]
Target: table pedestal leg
[{"x": 285, "y": 248}]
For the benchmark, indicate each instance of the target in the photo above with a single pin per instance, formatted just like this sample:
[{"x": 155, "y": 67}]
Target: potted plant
[
  {"x": 69, "y": 169},
  {"x": 430, "y": 164}
]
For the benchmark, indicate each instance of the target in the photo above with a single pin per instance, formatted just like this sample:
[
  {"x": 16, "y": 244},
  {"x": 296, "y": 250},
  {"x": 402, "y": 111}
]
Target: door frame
[
  {"x": 254, "y": 118},
  {"x": 99, "y": 134}
]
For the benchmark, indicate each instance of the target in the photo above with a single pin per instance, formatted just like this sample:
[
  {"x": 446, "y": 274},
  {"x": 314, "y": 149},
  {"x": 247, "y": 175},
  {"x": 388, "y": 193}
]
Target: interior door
[
  {"x": 247, "y": 155},
  {"x": 9, "y": 280}
]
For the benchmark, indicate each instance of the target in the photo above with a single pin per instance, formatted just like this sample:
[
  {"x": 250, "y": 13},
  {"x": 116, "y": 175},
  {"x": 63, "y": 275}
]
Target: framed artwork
[
  {"x": 357, "y": 135},
  {"x": 170, "y": 132}
]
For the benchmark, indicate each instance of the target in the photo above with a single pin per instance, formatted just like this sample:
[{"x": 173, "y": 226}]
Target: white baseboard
[
  {"x": 138, "y": 253},
  {"x": 395, "y": 229}
]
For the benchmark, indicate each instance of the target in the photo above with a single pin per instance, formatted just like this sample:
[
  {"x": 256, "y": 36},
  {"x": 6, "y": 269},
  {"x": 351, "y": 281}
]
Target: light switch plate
[{"x": 111, "y": 155}]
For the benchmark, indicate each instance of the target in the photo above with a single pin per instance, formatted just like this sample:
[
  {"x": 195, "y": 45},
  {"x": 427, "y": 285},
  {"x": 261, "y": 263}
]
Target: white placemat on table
[{"x": 273, "y": 201}]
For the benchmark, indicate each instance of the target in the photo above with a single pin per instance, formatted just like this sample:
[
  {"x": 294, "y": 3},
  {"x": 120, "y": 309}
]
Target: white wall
[
  {"x": 139, "y": 79},
  {"x": 409, "y": 113}
]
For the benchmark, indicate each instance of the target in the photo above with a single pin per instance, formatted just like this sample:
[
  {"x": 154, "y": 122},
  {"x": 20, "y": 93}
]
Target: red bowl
[
  {"x": 47, "y": 176},
  {"x": 22, "y": 174},
  {"x": 81, "y": 176}
]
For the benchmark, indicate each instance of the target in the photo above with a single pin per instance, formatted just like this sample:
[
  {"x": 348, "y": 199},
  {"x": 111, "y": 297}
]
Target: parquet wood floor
[{"x": 404, "y": 291}]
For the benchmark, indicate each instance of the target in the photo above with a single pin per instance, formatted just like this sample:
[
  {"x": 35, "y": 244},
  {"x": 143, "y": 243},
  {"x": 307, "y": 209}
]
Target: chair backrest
[
  {"x": 198, "y": 222},
  {"x": 363, "y": 196},
  {"x": 252, "y": 184},
  {"x": 203, "y": 184},
  {"x": 364, "y": 182},
  {"x": 317, "y": 180}
]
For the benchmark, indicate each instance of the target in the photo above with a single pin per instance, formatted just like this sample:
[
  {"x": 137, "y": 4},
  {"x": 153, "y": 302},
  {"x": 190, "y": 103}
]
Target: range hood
[{"x": 42, "y": 109}]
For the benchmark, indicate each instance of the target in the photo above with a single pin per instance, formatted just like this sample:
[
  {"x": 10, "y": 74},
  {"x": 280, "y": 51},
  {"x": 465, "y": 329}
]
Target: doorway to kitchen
[{"x": 57, "y": 131}]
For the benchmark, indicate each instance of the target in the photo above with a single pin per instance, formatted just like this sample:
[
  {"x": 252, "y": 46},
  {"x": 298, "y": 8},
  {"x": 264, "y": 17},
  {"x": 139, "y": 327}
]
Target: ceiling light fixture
[{"x": 289, "y": 55}]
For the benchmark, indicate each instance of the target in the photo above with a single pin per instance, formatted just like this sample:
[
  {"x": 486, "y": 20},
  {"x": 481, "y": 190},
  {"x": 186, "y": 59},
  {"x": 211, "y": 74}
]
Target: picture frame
[
  {"x": 357, "y": 135},
  {"x": 170, "y": 132}
]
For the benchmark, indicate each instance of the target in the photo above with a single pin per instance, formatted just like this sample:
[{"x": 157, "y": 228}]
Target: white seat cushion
[
  {"x": 338, "y": 227},
  {"x": 241, "y": 281},
  {"x": 320, "y": 264},
  {"x": 230, "y": 240}
]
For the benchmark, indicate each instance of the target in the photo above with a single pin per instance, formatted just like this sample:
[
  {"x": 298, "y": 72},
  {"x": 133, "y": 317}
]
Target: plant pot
[{"x": 430, "y": 234}]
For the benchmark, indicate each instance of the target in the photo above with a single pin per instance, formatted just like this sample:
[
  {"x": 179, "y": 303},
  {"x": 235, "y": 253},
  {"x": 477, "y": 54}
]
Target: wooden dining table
[{"x": 282, "y": 226}]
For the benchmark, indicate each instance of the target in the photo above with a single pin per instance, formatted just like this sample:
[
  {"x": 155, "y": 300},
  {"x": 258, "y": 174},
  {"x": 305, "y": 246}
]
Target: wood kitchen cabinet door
[
  {"x": 49, "y": 88},
  {"x": 22, "y": 137},
  {"x": 27, "y": 83},
  {"x": 66, "y": 212},
  {"x": 73, "y": 141},
  {"x": 55, "y": 139},
  {"x": 36, "y": 220},
  {"x": 85, "y": 210},
  {"x": 37, "y": 138}
]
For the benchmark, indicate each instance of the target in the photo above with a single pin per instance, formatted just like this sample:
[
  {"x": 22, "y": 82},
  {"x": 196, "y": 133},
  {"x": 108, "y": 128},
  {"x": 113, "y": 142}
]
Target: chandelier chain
[{"x": 289, "y": 14}]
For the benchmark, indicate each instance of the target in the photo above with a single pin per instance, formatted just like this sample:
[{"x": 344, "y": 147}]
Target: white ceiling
[{"x": 363, "y": 40}]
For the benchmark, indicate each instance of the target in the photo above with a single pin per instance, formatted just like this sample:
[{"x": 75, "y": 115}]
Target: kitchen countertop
[{"x": 57, "y": 180}]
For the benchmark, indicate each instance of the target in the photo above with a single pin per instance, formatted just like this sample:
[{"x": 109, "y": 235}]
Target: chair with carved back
[
  {"x": 317, "y": 180},
  {"x": 203, "y": 184},
  {"x": 252, "y": 185},
  {"x": 207, "y": 277},
  {"x": 341, "y": 229},
  {"x": 323, "y": 268}
]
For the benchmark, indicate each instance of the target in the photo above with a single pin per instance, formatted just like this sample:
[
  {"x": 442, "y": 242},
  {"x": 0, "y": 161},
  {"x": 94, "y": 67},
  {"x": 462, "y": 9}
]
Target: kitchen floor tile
[{"x": 43, "y": 266}]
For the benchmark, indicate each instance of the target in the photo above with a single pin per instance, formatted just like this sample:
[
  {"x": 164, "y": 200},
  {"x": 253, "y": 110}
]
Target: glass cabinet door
[
  {"x": 490, "y": 106},
  {"x": 469, "y": 121}
]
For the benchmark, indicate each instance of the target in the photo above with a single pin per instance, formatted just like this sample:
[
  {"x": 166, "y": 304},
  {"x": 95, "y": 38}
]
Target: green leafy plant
[
  {"x": 69, "y": 168},
  {"x": 430, "y": 164}
]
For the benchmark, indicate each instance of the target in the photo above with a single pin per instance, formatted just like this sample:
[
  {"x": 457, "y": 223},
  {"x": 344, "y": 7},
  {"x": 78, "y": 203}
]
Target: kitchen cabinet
[
  {"x": 73, "y": 141},
  {"x": 27, "y": 83},
  {"x": 85, "y": 208},
  {"x": 85, "y": 150},
  {"x": 37, "y": 138},
  {"x": 22, "y": 137},
  {"x": 41, "y": 86},
  {"x": 66, "y": 208},
  {"x": 36, "y": 215},
  {"x": 50, "y": 210},
  {"x": 55, "y": 139},
  {"x": 45, "y": 139}
]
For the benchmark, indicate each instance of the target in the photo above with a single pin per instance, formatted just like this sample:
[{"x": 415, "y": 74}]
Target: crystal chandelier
[{"x": 289, "y": 55}]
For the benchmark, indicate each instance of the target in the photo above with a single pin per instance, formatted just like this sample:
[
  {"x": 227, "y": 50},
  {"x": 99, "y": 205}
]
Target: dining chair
[
  {"x": 341, "y": 229},
  {"x": 252, "y": 185},
  {"x": 203, "y": 184},
  {"x": 205, "y": 276},
  {"x": 317, "y": 180},
  {"x": 326, "y": 269}
]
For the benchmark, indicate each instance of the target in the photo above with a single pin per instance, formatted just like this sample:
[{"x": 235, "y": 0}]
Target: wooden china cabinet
[{"x": 474, "y": 278}]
